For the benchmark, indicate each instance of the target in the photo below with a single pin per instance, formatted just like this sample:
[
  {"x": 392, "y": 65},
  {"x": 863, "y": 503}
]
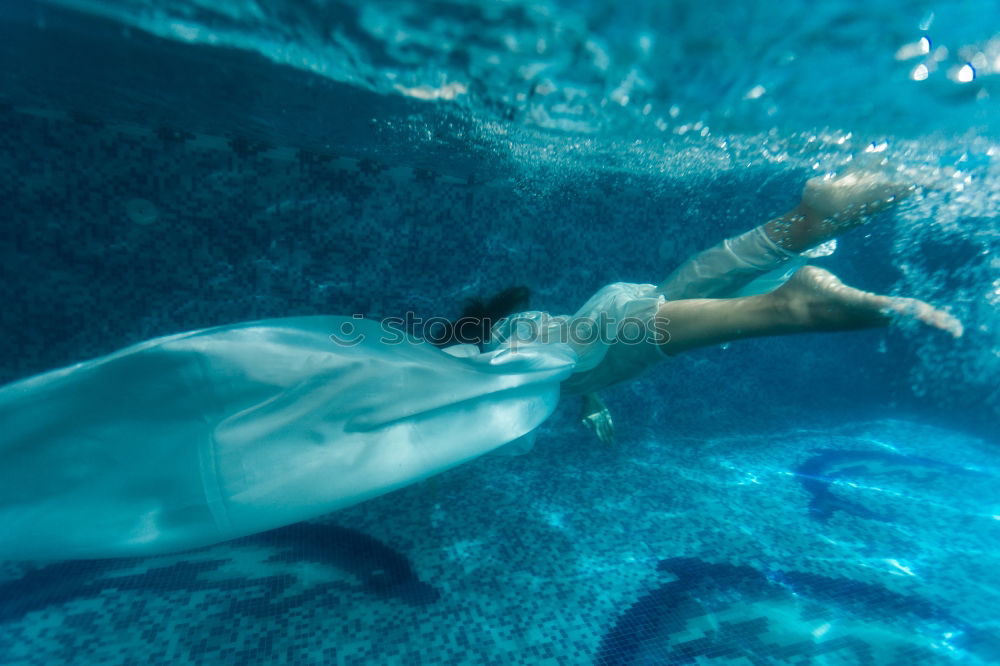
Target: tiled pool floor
[{"x": 796, "y": 546}]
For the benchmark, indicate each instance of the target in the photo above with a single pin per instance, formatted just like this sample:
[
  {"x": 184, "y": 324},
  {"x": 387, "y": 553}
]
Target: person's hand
[{"x": 597, "y": 418}]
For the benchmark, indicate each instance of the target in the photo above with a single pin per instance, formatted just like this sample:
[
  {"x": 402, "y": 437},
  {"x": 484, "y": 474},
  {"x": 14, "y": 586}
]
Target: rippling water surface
[{"x": 902, "y": 68}]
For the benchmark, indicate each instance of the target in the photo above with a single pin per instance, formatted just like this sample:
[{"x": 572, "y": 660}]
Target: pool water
[{"x": 168, "y": 166}]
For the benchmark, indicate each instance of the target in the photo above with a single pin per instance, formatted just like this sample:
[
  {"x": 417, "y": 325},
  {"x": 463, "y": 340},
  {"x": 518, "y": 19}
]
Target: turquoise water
[{"x": 820, "y": 499}]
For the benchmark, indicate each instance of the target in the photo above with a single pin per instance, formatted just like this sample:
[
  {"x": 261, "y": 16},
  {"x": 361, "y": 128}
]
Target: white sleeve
[{"x": 722, "y": 271}]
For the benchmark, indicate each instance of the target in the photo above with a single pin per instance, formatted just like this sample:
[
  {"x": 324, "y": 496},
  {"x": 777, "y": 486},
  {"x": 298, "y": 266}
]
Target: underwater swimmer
[
  {"x": 198, "y": 437},
  {"x": 724, "y": 293}
]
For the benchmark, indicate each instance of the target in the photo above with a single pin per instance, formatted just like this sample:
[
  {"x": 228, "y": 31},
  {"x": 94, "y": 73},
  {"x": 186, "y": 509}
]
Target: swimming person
[
  {"x": 200, "y": 437},
  {"x": 755, "y": 284}
]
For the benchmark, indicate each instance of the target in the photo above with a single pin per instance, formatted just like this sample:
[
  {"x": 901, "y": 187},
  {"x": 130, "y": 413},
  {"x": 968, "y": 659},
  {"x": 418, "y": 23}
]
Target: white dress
[
  {"x": 196, "y": 438},
  {"x": 613, "y": 334}
]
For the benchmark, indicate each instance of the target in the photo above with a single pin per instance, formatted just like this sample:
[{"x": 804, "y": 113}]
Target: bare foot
[
  {"x": 832, "y": 205},
  {"x": 816, "y": 300}
]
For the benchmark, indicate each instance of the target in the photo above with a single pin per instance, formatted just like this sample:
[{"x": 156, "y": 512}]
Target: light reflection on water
[{"x": 646, "y": 67}]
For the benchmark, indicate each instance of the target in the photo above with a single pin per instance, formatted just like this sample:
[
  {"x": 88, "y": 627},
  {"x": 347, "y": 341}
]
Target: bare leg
[
  {"x": 814, "y": 300},
  {"x": 829, "y": 207}
]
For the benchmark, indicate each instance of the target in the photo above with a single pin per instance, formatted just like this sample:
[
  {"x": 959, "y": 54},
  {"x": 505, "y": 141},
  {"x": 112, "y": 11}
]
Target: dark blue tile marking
[
  {"x": 379, "y": 569},
  {"x": 657, "y": 627},
  {"x": 61, "y": 582},
  {"x": 863, "y": 599},
  {"x": 821, "y": 470}
]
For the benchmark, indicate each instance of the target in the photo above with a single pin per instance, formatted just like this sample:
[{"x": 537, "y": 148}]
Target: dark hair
[{"x": 480, "y": 315}]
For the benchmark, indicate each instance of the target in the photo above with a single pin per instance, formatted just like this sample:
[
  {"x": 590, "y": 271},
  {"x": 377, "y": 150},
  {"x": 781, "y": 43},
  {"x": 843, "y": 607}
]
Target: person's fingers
[
  {"x": 608, "y": 430},
  {"x": 601, "y": 425}
]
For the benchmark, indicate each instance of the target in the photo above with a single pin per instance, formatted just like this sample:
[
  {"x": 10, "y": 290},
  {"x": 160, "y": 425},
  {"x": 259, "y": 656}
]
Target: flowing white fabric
[
  {"x": 743, "y": 265},
  {"x": 192, "y": 439},
  {"x": 613, "y": 335}
]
